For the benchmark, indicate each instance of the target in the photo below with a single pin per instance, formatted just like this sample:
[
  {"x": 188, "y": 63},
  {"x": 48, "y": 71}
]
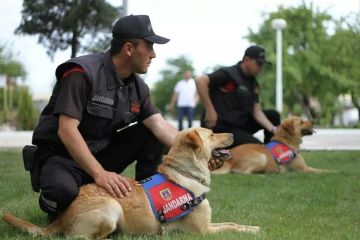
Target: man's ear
[
  {"x": 128, "y": 47},
  {"x": 193, "y": 140}
]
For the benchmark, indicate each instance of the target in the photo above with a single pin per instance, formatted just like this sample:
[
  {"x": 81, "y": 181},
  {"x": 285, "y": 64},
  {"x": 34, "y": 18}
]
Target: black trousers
[
  {"x": 61, "y": 177},
  {"x": 244, "y": 134}
]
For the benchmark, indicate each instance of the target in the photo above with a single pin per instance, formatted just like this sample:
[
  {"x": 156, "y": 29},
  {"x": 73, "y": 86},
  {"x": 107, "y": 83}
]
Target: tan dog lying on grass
[
  {"x": 280, "y": 156},
  {"x": 94, "y": 214}
]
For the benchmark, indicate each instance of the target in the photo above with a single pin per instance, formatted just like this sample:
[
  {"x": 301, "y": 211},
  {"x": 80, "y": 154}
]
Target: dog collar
[{"x": 186, "y": 174}]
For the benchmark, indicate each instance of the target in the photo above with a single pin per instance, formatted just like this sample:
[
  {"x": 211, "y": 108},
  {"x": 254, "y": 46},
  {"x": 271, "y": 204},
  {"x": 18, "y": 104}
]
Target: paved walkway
[
  {"x": 323, "y": 139},
  {"x": 333, "y": 139}
]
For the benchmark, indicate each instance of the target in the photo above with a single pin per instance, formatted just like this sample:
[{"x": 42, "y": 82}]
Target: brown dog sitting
[
  {"x": 280, "y": 155},
  {"x": 177, "y": 196}
]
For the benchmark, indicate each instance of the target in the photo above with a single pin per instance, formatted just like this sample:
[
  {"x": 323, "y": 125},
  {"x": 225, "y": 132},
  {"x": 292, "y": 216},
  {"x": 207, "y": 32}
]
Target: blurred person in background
[{"x": 185, "y": 98}]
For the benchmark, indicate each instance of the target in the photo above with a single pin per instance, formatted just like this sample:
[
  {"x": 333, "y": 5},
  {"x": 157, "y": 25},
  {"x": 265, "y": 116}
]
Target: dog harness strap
[
  {"x": 193, "y": 203},
  {"x": 281, "y": 152},
  {"x": 168, "y": 198}
]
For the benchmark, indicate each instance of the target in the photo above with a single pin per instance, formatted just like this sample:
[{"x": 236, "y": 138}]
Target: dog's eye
[{"x": 212, "y": 135}]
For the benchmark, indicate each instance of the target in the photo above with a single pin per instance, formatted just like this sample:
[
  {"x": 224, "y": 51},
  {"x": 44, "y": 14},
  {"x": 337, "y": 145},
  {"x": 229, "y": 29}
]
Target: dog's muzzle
[
  {"x": 308, "y": 131},
  {"x": 221, "y": 154}
]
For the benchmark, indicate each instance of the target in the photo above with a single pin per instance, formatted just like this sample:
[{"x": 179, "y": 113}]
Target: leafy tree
[
  {"x": 27, "y": 115},
  {"x": 11, "y": 69},
  {"x": 306, "y": 75},
  {"x": 64, "y": 23},
  {"x": 9, "y": 66},
  {"x": 163, "y": 90},
  {"x": 342, "y": 49}
]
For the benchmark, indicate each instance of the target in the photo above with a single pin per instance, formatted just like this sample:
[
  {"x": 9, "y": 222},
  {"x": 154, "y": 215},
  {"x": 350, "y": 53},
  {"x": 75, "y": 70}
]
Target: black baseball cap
[
  {"x": 258, "y": 53},
  {"x": 136, "y": 26}
]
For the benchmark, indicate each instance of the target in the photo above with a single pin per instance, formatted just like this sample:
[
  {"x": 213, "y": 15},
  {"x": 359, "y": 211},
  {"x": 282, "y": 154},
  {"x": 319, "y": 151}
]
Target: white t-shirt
[{"x": 186, "y": 90}]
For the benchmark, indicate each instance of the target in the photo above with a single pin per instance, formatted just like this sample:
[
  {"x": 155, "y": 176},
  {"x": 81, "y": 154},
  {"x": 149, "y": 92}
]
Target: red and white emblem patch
[{"x": 165, "y": 194}]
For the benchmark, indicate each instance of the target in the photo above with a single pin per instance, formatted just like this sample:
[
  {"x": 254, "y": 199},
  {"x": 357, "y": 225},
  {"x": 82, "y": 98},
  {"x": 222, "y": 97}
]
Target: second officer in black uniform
[{"x": 231, "y": 102}]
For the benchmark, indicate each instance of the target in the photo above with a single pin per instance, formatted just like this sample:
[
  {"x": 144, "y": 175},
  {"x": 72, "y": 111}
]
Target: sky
[{"x": 208, "y": 32}]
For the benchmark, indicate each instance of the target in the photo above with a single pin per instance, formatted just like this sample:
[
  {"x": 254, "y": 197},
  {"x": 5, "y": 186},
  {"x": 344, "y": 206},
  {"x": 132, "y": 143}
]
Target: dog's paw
[{"x": 253, "y": 229}]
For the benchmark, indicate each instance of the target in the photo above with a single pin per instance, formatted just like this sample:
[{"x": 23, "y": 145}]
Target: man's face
[
  {"x": 141, "y": 56},
  {"x": 254, "y": 67},
  {"x": 187, "y": 75}
]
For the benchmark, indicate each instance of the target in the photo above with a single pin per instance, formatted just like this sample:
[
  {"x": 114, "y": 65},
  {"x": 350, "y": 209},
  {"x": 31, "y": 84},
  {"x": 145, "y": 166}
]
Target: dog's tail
[{"x": 33, "y": 229}]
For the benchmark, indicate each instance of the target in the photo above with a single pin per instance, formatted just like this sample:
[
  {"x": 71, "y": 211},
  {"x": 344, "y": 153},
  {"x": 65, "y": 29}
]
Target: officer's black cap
[
  {"x": 258, "y": 53},
  {"x": 136, "y": 26}
]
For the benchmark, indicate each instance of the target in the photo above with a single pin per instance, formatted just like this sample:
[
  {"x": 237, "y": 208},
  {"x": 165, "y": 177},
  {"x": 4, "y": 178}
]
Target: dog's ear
[
  {"x": 288, "y": 126},
  {"x": 193, "y": 139}
]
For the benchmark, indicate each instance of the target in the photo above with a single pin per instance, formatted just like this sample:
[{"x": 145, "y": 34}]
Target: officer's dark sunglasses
[{"x": 260, "y": 64}]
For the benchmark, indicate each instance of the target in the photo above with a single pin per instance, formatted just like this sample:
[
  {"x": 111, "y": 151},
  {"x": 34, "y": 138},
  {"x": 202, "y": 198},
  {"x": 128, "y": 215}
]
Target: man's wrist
[{"x": 273, "y": 129}]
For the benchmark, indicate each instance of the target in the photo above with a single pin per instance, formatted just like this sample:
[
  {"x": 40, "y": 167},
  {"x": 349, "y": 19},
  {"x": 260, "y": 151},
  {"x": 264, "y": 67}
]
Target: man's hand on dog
[
  {"x": 114, "y": 184},
  {"x": 215, "y": 164}
]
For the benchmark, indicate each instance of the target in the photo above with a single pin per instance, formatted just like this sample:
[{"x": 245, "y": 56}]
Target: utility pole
[
  {"x": 279, "y": 24},
  {"x": 3, "y": 84},
  {"x": 124, "y": 8}
]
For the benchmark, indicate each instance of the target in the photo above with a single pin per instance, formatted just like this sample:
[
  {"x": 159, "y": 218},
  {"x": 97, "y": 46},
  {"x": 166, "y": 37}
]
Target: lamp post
[
  {"x": 125, "y": 7},
  {"x": 279, "y": 24}
]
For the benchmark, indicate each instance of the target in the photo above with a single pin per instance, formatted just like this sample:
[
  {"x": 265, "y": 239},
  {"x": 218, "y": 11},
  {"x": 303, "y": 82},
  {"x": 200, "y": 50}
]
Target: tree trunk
[
  {"x": 74, "y": 44},
  {"x": 355, "y": 101},
  {"x": 305, "y": 104}
]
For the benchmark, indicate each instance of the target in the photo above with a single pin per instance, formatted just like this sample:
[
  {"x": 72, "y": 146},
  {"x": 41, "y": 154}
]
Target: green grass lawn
[{"x": 285, "y": 206}]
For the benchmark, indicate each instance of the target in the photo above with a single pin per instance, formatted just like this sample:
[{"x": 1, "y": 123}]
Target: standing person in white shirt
[{"x": 185, "y": 97}]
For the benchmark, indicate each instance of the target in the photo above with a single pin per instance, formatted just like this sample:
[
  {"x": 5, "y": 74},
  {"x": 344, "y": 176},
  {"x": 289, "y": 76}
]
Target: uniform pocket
[
  {"x": 97, "y": 120},
  {"x": 100, "y": 110}
]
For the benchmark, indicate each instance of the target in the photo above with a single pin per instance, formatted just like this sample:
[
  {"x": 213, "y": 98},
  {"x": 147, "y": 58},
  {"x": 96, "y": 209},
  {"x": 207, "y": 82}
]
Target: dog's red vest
[
  {"x": 282, "y": 153},
  {"x": 168, "y": 200}
]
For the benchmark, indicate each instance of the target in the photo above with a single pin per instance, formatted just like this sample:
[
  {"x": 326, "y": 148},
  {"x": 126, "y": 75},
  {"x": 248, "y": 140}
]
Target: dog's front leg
[
  {"x": 299, "y": 164},
  {"x": 229, "y": 226},
  {"x": 200, "y": 221}
]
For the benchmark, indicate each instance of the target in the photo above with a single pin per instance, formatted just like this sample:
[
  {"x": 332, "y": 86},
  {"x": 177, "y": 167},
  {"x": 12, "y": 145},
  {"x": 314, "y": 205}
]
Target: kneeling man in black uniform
[{"x": 100, "y": 119}]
